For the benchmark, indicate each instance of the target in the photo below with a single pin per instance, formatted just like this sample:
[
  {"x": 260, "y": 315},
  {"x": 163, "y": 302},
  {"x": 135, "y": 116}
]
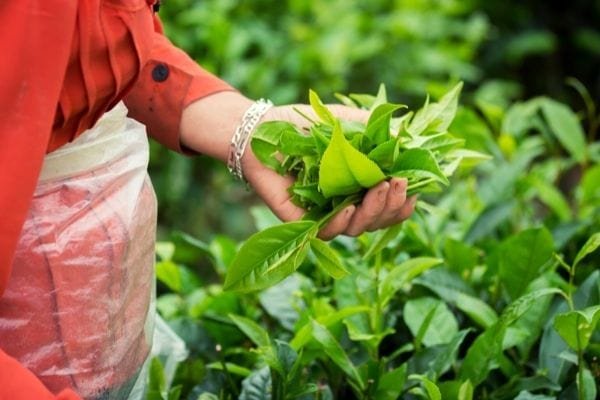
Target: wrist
[{"x": 208, "y": 124}]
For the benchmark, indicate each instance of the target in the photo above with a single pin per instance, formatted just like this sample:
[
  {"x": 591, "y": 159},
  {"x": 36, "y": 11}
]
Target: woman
[{"x": 65, "y": 65}]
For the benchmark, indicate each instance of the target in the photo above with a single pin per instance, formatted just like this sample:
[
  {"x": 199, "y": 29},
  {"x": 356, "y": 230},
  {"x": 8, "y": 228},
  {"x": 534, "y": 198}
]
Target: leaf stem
[{"x": 352, "y": 199}]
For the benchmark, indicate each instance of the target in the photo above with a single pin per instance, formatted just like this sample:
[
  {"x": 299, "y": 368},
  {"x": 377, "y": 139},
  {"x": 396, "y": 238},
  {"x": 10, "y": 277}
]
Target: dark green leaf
[
  {"x": 522, "y": 258},
  {"x": 257, "y": 386}
]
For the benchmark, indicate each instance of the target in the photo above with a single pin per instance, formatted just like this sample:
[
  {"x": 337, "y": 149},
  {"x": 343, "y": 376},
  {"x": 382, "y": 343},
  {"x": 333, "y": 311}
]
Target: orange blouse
[{"x": 64, "y": 63}]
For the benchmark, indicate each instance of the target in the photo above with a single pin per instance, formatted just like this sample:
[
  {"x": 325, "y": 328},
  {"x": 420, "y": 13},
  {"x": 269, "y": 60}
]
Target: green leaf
[
  {"x": 403, "y": 274},
  {"x": 566, "y": 127},
  {"x": 466, "y": 391},
  {"x": 378, "y": 126},
  {"x": 157, "y": 376},
  {"x": 454, "y": 290},
  {"x": 320, "y": 109},
  {"x": 552, "y": 197},
  {"x": 254, "y": 331},
  {"x": 441, "y": 327},
  {"x": 436, "y": 117},
  {"x": 165, "y": 250},
  {"x": 586, "y": 385},
  {"x": 310, "y": 192},
  {"x": 418, "y": 160},
  {"x": 304, "y": 334},
  {"x": 385, "y": 154},
  {"x": 257, "y": 386},
  {"x": 167, "y": 272},
  {"x": 269, "y": 256},
  {"x": 483, "y": 354},
  {"x": 433, "y": 392},
  {"x": 282, "y": 302},
  {"x": 327, "y": 259},
  {"x": 335, "y": 352},
  {"x": 266, "y": 140},
  {"x": 522, "y": 258},
  {"x": 382, "y": 240},
  {"x": 345, "y": 170},
  {"x": 294, "y": 143},
  {"x": 391, "y": 384},
  {"x": 576, "y": 327},
  {"x": 447, "y": 358},
  {"x": 590, "y": 246}
]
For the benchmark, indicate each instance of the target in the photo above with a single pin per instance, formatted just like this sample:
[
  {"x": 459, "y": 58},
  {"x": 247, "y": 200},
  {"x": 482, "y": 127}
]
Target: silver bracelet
[{"x": 242, "y": 135}]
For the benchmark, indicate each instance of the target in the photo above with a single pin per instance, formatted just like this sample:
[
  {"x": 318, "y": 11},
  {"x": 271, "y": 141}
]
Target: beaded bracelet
[{"x": 242, "y": 135}]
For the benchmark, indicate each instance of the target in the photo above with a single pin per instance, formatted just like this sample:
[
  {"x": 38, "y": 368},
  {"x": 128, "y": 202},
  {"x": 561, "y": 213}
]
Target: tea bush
[{"x": 491, "y": 291}]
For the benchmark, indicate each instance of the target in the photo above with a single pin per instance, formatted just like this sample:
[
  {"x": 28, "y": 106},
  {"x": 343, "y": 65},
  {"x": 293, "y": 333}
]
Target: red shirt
[{"x": 64, "y": 64}]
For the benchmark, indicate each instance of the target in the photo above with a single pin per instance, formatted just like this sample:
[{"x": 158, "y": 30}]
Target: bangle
[{"x": 242, "y": 135}]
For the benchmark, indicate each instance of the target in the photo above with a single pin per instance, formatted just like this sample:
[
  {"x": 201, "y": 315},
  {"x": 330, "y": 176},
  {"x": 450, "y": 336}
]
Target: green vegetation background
[{"x": 280, "y": 49}]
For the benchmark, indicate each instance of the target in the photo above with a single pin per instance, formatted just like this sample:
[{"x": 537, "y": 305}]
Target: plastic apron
[{"x": 79, "y": 307}]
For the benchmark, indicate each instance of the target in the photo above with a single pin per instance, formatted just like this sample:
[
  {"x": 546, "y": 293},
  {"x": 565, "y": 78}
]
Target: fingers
[
  {"x": 384, "y": 205},
  {"x": 338, "y": 224},
  {"x": 369, "y": 211}
]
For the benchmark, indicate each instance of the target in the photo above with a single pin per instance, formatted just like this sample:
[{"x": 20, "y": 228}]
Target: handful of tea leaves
[{"x": 334, "y": 165}]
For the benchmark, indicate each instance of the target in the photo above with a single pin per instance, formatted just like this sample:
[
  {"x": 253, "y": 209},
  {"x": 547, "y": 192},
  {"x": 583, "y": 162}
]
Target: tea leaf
[
  {"x": 522, "y": 257},
  {"x": 440, "y": 328},
  {"x": 327, "y": 259},
  {"x": 403, "y": 274},
  {"x": 566, "y": 127},
  {"x": 378, "y": 126},
  {"x": 418, "y": 160},
  {"x": 391, "y": 384},
  {"x": 576, "y": 327},
  {"x": 269, "y": 256},
  {"x": 590, "y": 246},
  {"x": 335, "y": 352},
  {"x": 254, "y": 331},
  {"x": 345, "y": 170},
  {"x": 320, "y": 109}
]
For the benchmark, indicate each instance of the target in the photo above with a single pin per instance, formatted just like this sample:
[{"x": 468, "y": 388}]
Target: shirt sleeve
[{"x": 169, "y": 82}]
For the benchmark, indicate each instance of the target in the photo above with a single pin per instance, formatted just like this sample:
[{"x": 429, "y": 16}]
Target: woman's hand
[{"x": 208, "y": 125}]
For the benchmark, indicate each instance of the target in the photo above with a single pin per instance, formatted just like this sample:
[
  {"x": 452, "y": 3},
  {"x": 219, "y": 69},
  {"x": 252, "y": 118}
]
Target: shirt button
[{"x": 160, "y": 73}]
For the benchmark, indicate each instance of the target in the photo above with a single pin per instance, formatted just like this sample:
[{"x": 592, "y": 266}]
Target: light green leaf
[
  {"x": 168, "y": 273},
  {"x": 418, "y": 160},
  {"x": 254, "y": 331},
  {"x": 587, "y": 385},
  {"x": 452, "y": 289},
  {"x": 522, "y": 258},
  {"x": 552, "y": 197},
  {"x": 436, "y": 117},
  {"x": 303, "y": 334},
  {"x": 335, "y": 352},
  {"x": 566, "y": 127},
  {"x": 165, "y": 250},
  {"x": 269, "y": 256},
  {"x": 433, "y": 392},
  {"x": 441, "y": 327},
  {"x": 576, "y": 327},
  {"x": 590, "y": 246},
  {"x": 404, "y": 273},
  {"x": 294, "y": 143},
  {"x": 345, "y": 170},
  {"x": 466, "y": 391},
  {"x": 327, "y": 259},
  {"x": 320, "y": 109},
  {"x": 266, "y": 140},
  {"x": 382, "y": 240}
]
